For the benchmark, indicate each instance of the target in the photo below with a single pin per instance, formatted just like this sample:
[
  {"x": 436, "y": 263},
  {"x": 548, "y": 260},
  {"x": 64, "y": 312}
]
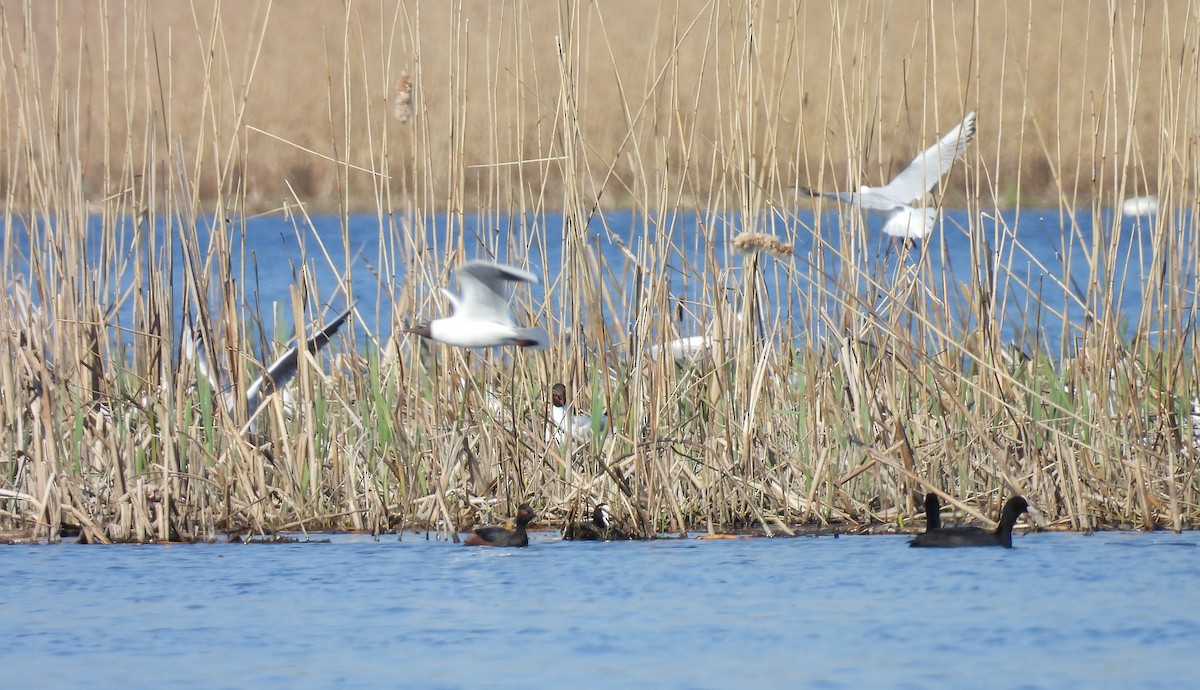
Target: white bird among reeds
[
  {"x": 276, "y": 376},
  {"x": 1139, "y": 206},
  {"x": 691, "y": 349},
  {"x": 480, "y": 316},
  {"x": 568, "y": 422},
  {"x": 893, "y": 200},
  {"x": 685, "y": 349}
]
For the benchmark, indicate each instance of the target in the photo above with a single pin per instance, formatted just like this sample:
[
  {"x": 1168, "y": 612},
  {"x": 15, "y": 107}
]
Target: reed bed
[{"x": 162, "y": 128}]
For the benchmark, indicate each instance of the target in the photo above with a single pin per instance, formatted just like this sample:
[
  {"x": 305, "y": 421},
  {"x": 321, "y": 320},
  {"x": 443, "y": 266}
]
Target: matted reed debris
[{"x": 753, "y": 242}]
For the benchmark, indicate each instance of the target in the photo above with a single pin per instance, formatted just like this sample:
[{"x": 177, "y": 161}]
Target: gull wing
[
  {"x": 870, "y": 199},
  {"x": 453, "y": 298},
  {"x": 192, "y": 350},
  {"x": 283, "y": 369},
  {"x": 484, "y": 294},
  {"x": 926, "y": 169}
]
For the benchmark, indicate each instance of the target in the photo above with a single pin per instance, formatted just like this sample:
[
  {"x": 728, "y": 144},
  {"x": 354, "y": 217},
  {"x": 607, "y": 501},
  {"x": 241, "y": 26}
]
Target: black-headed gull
[
  {"x": 480, "y": 315},
  {"x": 693, "y": 348},
  {"x": 686, "y": 349},
  {"x": 281, "y": 371},
  {"x": 914, "y": 182},
  {"x": 579, "y": 426}
]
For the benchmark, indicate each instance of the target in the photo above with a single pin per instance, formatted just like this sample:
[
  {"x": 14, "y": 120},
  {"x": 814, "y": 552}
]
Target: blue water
[
  {"x": 1114, "y": 610},
  {"x": 1042, "y": 263}
]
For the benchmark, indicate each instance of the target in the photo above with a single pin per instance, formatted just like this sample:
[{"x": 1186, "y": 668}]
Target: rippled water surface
[{"x": 1059, "y": 611}]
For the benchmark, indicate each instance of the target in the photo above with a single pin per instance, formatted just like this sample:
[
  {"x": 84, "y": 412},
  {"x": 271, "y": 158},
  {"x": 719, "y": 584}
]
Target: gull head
[{"x": 421, "y": 329}]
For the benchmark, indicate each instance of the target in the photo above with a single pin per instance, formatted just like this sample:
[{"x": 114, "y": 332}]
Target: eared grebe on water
[{"x": 498, "y": 536}]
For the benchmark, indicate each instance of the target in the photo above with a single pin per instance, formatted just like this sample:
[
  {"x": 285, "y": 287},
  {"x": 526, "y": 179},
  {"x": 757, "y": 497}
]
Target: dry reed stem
[{"x": 865, "y": 388}]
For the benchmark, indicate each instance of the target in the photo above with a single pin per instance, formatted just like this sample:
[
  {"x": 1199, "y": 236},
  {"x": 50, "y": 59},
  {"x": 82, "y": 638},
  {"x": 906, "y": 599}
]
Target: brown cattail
[
  {"x": 750, "y": 242},
  {"x": 402, "y": 105}
]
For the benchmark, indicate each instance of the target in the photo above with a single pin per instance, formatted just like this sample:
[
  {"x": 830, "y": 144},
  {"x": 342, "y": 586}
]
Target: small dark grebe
[
  {"x": 975, "y": 536},
  {"x": 498, "y": 536}
]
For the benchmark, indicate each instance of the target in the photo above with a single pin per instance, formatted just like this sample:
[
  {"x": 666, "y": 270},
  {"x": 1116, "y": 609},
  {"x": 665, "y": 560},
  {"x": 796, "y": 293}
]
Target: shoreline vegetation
[{"x": 133, "y": 117}]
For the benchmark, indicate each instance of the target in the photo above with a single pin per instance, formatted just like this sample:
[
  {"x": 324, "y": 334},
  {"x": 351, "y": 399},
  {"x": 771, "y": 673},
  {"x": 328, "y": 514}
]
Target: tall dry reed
[{"x": 137, "y": 124}]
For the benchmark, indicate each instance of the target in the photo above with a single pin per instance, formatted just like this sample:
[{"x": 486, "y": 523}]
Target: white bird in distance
[{"x": 893, "y": 200}]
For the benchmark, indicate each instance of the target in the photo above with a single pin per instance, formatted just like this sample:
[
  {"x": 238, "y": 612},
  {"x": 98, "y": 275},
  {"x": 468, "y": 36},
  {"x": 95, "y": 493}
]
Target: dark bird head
[{"x": 525, "y": 514}]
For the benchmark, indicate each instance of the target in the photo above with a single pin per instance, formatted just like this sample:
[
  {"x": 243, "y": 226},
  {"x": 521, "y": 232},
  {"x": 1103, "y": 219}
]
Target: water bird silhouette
[
  {"x": 500, "y": 536},
  {"x": 933, "y": 512},
  {"x": 976, "y": 536},
  {"x": 600, "y": 528}
]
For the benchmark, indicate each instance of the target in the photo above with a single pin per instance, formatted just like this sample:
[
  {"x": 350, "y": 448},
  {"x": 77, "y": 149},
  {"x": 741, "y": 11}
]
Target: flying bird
[
  {"x": 276, "y": 376},
  {"x": 480, "y": 316},
  {"x": 893, "y": 200}
]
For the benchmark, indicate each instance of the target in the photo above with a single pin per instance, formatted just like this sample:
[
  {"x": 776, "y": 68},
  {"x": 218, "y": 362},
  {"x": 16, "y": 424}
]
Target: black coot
[{"x": 975, "y": 536}]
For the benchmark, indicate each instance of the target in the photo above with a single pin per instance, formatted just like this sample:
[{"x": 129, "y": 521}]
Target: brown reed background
[
  {"x": 262, "y": 96},
  {"x": 185, "y": 111}
]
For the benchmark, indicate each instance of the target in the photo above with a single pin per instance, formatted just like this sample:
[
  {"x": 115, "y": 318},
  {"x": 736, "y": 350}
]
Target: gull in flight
[
  {"x": 914, "y": 182},
  {"x": 481, "y": 317},
  {"x": 278, "y": 375}
]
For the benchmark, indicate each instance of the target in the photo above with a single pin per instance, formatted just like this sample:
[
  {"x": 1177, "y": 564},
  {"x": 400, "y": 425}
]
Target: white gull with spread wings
[
  {"x": 480, "y": 315},
  {"x": 914, "y": 182}
]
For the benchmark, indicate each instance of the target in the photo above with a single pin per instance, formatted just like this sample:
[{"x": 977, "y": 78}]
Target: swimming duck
[
  {"x": 499, "y": 536},
  {"x": 975, "y": 536}
]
